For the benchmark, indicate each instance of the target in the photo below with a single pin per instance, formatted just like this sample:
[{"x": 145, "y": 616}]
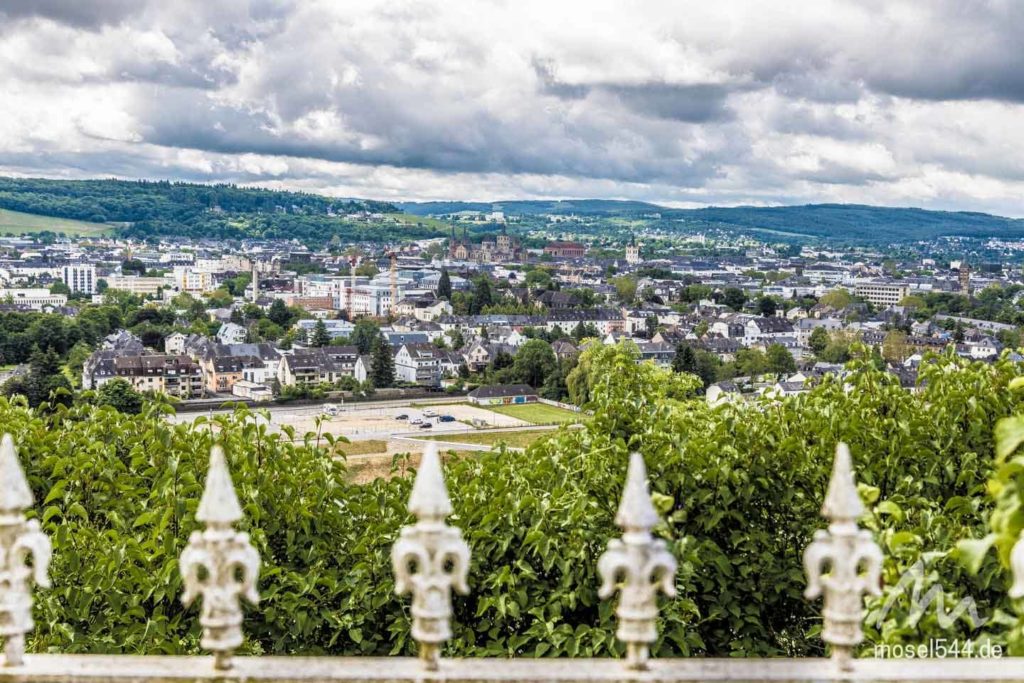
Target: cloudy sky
[{"x": 685, "y": 103}]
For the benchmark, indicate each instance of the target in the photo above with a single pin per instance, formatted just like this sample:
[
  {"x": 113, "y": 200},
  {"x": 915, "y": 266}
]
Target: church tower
[{"x": 632, "y": 252}]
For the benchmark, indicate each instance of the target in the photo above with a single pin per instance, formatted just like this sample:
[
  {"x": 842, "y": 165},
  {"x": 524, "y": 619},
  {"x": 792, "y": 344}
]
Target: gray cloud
[
  {"x": 78, "y": 13},
  {"x": 842, "y": 100}
]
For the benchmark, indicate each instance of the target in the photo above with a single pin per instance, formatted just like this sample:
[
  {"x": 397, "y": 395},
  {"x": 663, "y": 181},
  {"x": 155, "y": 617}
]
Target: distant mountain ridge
[
  {"x": 848, "y": 223},
  {"x": 532, "y": 207}
]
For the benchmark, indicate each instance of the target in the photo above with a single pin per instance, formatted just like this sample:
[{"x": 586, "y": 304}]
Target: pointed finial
[
  {"x": 20, "y": 542},
  {"x": 842, "y": 502},
  {"x": 219, "y": 504},
  {"x": 429, "y": 499},
  {"x": 636, "y": 511},
  {"x": 430, "y": 559},
  {"x": 638, "y": 566},
  {"x": 15, "y": 495}
]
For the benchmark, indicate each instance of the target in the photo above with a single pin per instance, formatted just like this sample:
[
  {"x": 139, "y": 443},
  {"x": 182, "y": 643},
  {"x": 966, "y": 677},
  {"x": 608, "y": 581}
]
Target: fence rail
[{"x": 220, "y": 569}]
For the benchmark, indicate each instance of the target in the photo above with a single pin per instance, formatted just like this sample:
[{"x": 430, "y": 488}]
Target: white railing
[{"x": 220, "y": 568}]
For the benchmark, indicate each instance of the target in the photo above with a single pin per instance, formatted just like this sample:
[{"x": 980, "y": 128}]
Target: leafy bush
[{"x": 740, "y": 487}]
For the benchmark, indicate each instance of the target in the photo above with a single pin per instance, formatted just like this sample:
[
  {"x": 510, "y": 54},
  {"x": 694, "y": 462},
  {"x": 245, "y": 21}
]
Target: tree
[
  {"x": 779, "y": 360},
  {"x": 444, "y": 285},
  {"x": 734, "y": 298},
  {"x": 44, "y": 381},
  {"x": 534, "y": 362},
  {"x": 320, "y": 335},
  {"x": 58, "y": 287},
  {"x": 651, "y": 325},
  {"x": 818, "y": 340},
  {"x": 894, "y": 346},
  {"x": 279, "y": 314},
  {"x": 120, "y": 394},
  {"x": 383, "y": 373},
  {"x": 483, "y": 295},
  {"x": 625, "y": 288},
  {"x": 837, "y": 299},
  {"x": 685, "y": 359},
  {"x": 364, "y": 335},
  {"x": 767, "y": 306},
  {"x": 129, "y": 266},
  {"x": 367, "y": 269},
  {"x": 457, "y": 340}
]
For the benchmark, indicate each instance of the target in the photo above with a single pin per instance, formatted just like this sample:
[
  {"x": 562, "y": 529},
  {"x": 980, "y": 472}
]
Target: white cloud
[{"x": 893, "y": 102}]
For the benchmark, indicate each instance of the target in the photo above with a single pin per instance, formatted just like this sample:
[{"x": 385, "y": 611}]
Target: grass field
[
  {"x": 15, "y": 222},
  {"x": 364, "y": 447},
  {"x": 537, "y": 413},
  {"x": 410, "y": 219},
  {"x": 512, "y": 439}
]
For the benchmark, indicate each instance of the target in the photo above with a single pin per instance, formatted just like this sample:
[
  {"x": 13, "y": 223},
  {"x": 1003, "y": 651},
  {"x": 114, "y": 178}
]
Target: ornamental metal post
[
  {"x": 430, "y": 559},
  {"x": 640, "y": 564},
  {"x": 19, "y": 540},
  {"x": 220, "y": 564},
  {"x": 1017, "y": 568},
  {"x": 855, "y": 563}
]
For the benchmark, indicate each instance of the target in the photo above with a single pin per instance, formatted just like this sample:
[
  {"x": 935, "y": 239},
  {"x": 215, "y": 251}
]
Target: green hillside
[
  {"x": 17, "y": 223},
  {"x": 848, "y": 223}
]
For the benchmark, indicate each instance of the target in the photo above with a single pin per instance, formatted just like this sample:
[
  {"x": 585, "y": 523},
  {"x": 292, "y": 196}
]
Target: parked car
[
  {"x": 429, "y": 413},
  {"x": 416, "y": 421},
  {"x": 446, "y": 418},
  {"x": 426, "y": 425},
  {"x": 403, "y": 416}
]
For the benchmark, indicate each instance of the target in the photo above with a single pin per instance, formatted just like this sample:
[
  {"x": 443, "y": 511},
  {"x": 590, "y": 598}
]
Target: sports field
[{"x": 536, "y": 413}]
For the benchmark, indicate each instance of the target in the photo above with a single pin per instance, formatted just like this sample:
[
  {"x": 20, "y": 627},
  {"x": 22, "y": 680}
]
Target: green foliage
[
  {"x": 320, "y": 335},
  {"x": 383, "y": 372},
  {"x": 739, "y": 486},
  {"x": 119, "y": 394},
  {"x": 204, "y": 211}
]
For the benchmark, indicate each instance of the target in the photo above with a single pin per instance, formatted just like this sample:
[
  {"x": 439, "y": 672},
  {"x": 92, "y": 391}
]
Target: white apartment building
[
  {"x": 136, "y": 284},
  {"x": 35, "y": 298},
  {"x": 883, "y": 294},
  {"x": 193, "y": 281},
  {"x": 80, "y": 278}
]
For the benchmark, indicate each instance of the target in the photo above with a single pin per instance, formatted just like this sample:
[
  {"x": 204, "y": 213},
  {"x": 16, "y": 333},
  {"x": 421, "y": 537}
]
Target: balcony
[{"x": 220, "y": 571}]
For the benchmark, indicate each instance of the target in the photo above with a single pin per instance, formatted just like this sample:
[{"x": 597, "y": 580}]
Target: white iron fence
[{"x": 220, "y": 568}]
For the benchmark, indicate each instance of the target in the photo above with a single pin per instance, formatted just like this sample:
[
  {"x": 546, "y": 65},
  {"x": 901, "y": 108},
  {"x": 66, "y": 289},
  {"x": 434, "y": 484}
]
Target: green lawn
[
  {"x": 410, "y": 219},
  {"x": 512, "y": 439},
  {"x": 16, "y": 223},
  {"x": 537, "y": 413}
]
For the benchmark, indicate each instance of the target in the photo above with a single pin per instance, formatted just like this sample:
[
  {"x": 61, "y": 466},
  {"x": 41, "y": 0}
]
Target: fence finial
[
  {"x": 1017, "y": 569},
  {"x": 642, "y": 563},
  {"x": 230, "y": 563},
  {"x": 19, "y": 539},
  {"x": 855, "y": 559},
  {"x": 430, "y": 559}
]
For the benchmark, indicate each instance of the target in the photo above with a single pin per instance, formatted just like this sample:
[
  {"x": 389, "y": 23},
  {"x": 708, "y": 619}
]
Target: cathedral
[{"x": 503, "y": 248}]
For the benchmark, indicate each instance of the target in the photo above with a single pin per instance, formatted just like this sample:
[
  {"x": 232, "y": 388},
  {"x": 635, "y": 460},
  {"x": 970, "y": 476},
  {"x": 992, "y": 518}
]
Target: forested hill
[
  {"x": 154, "y": 209},
  {"x": 851, "y": 222},
  {"x": 847, "y": 223}
]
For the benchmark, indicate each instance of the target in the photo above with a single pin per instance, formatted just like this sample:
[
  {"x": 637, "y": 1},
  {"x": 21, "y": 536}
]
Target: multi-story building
[
  {"x": 418, "y": 364},
  {"x": 136, "y": 284},
  {"x": 193, "y": 281},
  {"x": 882, "y": 293},
  {"x": 36, "y": 299},
  {"x": 173, "y": 375},
  {"x": 80, "y": 278},
  {"x": 565, "y": 250}
]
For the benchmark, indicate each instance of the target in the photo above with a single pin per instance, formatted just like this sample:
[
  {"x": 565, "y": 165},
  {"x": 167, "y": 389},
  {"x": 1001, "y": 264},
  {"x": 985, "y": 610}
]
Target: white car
[
  {"x": 429, "y": 413},
  {"x": 416, "y": 421}
]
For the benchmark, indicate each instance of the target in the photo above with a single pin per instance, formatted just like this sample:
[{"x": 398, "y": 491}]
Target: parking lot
[{"x": 372, "y": 422}]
